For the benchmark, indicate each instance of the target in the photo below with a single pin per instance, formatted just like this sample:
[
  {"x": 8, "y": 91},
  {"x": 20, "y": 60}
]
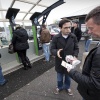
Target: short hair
[
  {"x": 17, "y": 26},
  {"x": 95, "y": 15},
  {"x": 75, "y": 21},
  {"x": 63, "y": 21}
]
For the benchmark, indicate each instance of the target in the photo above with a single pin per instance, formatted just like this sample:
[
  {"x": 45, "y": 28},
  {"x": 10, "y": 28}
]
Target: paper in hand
[
  {"x": 72, "y": 60},
  {"x": 66, "y": 65}
]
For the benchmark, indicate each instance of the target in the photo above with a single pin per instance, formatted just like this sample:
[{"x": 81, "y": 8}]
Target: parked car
[
  {"x": 56, "y": 30},
  {"x": 53, "y": 32}
]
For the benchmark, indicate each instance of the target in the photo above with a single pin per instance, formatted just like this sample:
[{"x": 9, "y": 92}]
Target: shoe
[
  {"x": 25, "y": 68},
  {"x": 6, "y": 81},
  {"x": 44, "y": 60},
  {"x": 30, "y": 66},
  {"x": 69, "y": 92},
  {"x": 57, "y": 91}
]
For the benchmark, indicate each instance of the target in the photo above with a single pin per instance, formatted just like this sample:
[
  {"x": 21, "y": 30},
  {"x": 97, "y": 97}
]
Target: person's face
[
  {"x": 93, "y": 28},
  {"x": 74, "y": 25},
  {"x": 66, "y": 28}
]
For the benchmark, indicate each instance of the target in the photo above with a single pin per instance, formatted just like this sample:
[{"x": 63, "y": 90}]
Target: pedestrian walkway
[
  {"x": 20, "y": 78},
  {"x": 42, "y": 88},
  {"x": 38, "y": 83}
]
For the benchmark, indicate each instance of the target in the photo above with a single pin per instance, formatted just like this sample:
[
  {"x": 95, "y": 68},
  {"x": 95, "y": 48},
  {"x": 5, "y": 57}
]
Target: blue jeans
[
  {"x": 2, "y": 79},
  {"x": 67, "y": 81},
  {"x": 46, "y": 50},
  {"x": 87, "y": 45}
]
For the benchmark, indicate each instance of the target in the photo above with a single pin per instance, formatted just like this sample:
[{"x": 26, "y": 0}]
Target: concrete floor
[{"x": 38, "y": 83}]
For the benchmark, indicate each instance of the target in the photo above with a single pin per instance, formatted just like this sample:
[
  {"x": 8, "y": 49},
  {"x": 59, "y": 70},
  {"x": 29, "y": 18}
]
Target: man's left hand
[{"x": 68, "y": 66}]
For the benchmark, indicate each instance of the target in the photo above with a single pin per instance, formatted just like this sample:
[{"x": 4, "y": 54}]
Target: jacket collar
[
  {"x": 62, "y": 41},
  {"x": 60, "y": 35}
]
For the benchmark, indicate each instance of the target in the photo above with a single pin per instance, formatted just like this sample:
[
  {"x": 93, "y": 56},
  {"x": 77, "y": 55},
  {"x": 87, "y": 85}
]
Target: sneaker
[
  {"x": 69, "y": 92},
  {"x": 57, "y": 91}
]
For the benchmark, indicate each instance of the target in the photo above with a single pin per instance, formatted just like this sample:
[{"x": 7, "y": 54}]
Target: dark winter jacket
[
  {"x": 89, "y": 80},
  {"x": 69, "y": 46},
  {"x": 78, "y": 33},
  {"x": 19, "y": 39}
]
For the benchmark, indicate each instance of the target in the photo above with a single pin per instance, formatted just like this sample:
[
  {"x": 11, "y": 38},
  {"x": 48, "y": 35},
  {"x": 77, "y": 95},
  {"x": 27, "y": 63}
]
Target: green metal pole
[{"x": 35, "y": 39}]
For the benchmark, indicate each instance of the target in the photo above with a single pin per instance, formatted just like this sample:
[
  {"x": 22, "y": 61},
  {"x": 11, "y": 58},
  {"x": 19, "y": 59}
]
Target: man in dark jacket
[
  {"x": 89, "y": 80},
  {"x": 76, "y": 30},
  {"x": 20, "y": 43},
  {"x": 64, "y": 44}
]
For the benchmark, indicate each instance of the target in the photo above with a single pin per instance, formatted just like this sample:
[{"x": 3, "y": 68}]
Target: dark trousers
[
  {"x": 67, "y": 81},
  {"x": 24, "y": 59}
]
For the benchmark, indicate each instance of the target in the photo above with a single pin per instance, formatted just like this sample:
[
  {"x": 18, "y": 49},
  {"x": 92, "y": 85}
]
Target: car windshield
[{"x": 56, "y": 30}]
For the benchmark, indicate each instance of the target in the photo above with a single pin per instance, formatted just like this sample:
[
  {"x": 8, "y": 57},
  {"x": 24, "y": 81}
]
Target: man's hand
[
  {"x": 68, "y": 66},
  {"x": 72, "y": 60},
  {"x": 58, "y": 53},
  {"x": 75, "y": 58}
]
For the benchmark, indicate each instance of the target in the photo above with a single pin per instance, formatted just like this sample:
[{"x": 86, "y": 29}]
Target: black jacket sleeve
[
  {"x": 91, "y": 81},
  {"x": 76, "y": 47},
  {"x": 53, "y": 48}
]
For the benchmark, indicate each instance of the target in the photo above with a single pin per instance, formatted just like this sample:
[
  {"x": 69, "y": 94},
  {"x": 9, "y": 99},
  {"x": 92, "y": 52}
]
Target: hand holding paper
[
  {"x": 73, "y": 62},
  {"x": 66, "y": 65}
]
